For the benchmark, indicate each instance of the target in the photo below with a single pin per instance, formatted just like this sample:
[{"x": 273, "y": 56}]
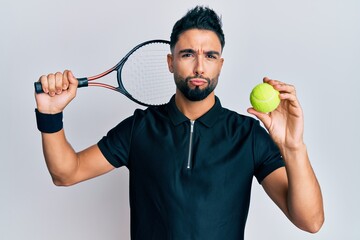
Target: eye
[
  {"x": 186, "y": 55},
  {"x": 211, "y": 56}
]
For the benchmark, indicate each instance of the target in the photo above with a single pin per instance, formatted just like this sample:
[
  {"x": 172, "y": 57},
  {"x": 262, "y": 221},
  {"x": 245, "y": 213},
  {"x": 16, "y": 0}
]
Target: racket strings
[{"x": 146, "y": 77}]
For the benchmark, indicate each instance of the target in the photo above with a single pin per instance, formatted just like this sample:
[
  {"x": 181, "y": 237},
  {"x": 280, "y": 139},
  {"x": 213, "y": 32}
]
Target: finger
[
  {"x": 280, "y": 86},
  {"x": 285, "y": 88},
  {"x": 71, "y": 78},
  {"x": 272, "y": 82},
  {"x": 44, "y": 83},
  {"x": 288, "y": 96},
  {"x": 58, "y": 82},
  {"x": 66, "y": 83},
  {"x": 276, "y": 84},
  {"x": 73, "y": 82},
  {"x": 263, "y": 117},
  {"x": 266, "y": 79},
  {"x": 51, "y": 84}
]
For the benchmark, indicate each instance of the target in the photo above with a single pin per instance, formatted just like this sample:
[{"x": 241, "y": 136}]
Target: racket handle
[{"x": 83, "y": 82}]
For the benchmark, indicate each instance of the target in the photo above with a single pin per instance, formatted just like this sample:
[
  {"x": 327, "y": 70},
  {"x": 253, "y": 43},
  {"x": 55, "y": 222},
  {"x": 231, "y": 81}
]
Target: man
[{"x": 191, "y": 162}]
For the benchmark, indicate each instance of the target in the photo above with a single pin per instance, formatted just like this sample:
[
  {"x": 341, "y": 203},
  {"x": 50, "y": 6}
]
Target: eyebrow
[{"x": 189, "y": 50}]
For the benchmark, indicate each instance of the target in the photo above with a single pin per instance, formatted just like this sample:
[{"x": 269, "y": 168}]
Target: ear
[
  {"x": 170, "y": 62},
  {"x": 221, "y": 63}
]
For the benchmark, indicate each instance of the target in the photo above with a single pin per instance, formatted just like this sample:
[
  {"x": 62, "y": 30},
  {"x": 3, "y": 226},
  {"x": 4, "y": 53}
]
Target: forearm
[
  {"x": 304, "y": 198},
  {"x": 60, "y": 157}
]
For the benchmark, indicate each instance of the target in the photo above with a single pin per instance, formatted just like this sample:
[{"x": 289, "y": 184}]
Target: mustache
[{"x": 197, "y": 76}]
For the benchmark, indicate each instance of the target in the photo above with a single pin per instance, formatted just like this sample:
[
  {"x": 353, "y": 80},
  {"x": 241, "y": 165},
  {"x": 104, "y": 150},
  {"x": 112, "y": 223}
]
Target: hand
[
  {"x": 286, "y": 123},
  {"x": 59, "y": 89}
]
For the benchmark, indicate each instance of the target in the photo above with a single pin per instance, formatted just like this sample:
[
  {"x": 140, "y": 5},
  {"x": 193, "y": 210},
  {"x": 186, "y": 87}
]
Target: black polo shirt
[{"x": 190, "y": 180}]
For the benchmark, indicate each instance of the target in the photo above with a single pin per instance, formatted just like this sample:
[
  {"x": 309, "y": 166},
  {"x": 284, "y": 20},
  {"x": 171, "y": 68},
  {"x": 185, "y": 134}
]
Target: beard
[{"x": 195, "y": 94}]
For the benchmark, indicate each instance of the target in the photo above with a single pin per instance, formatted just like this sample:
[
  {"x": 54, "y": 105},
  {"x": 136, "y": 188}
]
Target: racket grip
[
  {"x": 38, "y": 87},
  {"x": 83, "y": 82}
]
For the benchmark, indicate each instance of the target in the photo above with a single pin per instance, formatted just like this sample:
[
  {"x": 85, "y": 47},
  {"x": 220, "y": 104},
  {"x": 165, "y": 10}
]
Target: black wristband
[{"x": 49, "y": 123}]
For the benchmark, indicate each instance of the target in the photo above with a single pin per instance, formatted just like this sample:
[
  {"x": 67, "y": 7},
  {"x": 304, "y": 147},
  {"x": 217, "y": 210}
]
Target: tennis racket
[{"x": 142, "y": 75}]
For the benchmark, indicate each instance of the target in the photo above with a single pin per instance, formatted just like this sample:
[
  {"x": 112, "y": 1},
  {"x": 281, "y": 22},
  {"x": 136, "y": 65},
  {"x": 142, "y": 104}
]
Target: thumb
[
  {"x": 73, "y": 82},
  {"x": 263, "y": 117},
  {"x": 71, "y": 78}
]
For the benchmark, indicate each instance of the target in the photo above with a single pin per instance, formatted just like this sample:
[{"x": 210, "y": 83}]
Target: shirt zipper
[{"x": 190, "y": 143}]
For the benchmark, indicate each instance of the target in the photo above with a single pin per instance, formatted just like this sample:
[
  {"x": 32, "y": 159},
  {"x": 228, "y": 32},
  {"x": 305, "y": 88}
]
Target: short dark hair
[{"x": 202, "y": 18}]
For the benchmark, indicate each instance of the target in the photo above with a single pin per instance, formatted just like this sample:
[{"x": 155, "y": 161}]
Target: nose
[{"x": 199, "y": 66}]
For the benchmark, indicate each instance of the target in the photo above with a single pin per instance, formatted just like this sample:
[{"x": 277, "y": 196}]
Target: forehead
[{"x": 198, "y": 40}]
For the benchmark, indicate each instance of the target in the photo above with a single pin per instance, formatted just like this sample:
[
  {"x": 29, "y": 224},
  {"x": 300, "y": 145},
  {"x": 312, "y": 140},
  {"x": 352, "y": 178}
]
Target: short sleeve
[
  {"x": 115, "y": 146},
  {"x": 267, "y": 156}
]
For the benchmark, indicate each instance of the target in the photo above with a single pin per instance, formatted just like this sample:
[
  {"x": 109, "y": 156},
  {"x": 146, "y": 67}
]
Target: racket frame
[{"x": 87, "y": 81}]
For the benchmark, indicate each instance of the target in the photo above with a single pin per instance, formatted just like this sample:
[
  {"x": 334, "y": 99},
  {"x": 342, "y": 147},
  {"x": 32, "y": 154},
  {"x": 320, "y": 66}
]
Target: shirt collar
[{"x": 208, "y": 119}]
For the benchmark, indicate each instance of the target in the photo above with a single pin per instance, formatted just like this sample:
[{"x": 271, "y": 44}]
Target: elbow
[
  {"x": 313, "y": 229},
  {"x": 59, "y": 182},
  {"x": 63, "y": 178},
  {"x": 314, "y": 225}
]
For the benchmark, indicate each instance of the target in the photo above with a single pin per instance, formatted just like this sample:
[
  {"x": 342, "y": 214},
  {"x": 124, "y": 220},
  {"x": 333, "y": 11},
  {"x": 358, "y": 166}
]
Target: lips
[{"x": 197, "y": 81}]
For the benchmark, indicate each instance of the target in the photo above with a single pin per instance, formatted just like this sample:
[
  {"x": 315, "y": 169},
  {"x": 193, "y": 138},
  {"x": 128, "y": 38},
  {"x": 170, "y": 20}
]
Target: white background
[{"x": 313, "y": 44}]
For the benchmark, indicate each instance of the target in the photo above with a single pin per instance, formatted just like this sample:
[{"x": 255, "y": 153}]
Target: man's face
[{"x": 196, "y": 63}]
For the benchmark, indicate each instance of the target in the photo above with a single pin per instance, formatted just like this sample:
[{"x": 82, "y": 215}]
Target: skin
[
  {"x": 196, "y": 54},
  {"x": 293, "y": 188}
]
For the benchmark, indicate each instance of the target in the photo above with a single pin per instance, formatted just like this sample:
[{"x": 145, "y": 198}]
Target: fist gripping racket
[{"x": 142, "y": 75}]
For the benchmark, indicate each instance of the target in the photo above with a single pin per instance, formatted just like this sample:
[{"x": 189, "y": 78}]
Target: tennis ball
[{"x": 264, "y": 98}]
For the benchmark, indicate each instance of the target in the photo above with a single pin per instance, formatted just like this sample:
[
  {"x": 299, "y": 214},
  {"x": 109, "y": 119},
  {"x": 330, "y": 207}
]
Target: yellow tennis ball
[{"x": 264, "y": 98}]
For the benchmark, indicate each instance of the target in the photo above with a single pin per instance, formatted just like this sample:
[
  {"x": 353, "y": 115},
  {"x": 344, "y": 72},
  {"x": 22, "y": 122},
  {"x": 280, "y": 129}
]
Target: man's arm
[
  {"x": 65, "y": 165},
  {"x": 294, "y": 188},
  {"x": 296, "y": 191}
]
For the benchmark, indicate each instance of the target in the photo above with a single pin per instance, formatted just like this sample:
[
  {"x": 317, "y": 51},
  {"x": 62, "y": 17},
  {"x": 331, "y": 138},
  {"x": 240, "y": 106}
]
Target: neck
[{"x": 194, "y": 109}]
